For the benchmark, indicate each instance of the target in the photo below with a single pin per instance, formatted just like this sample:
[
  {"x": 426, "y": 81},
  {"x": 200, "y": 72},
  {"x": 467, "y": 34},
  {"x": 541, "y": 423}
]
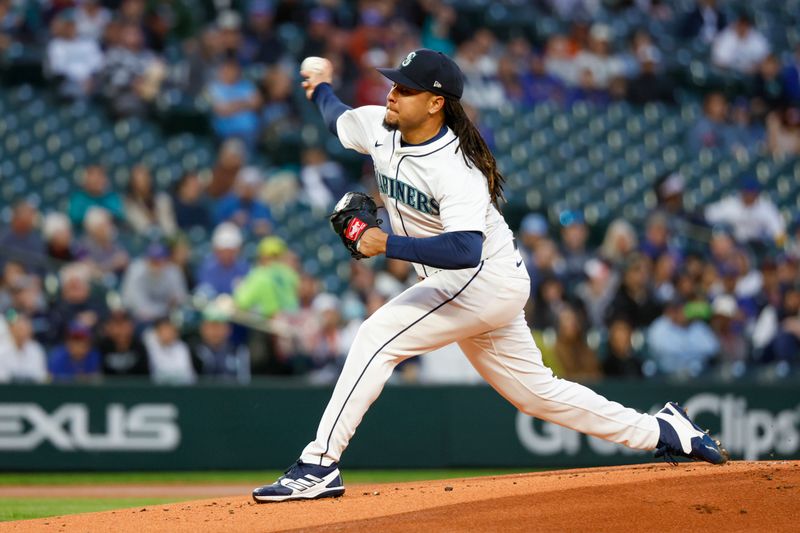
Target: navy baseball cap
[
  {"x": 750, "y": 184},
  {"x": 428, "y": 70}
]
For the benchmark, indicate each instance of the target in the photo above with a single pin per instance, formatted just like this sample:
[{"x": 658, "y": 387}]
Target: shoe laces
[
  {"x": 294, "y": 465},
  {"x": 668, "y": 457}
]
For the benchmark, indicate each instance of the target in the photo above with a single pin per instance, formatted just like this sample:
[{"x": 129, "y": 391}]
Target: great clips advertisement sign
[{"x": 747, "y": 432}]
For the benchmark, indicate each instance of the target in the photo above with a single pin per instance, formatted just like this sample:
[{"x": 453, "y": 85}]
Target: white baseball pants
[{"x": 481, "y": 310}]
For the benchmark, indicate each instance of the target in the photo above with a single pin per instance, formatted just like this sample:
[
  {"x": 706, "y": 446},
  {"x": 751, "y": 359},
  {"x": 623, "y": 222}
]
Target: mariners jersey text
[{"x": 407, "y": 194}]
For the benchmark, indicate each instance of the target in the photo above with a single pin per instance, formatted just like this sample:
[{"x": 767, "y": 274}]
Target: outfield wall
[{"x": 130, "y": 427}]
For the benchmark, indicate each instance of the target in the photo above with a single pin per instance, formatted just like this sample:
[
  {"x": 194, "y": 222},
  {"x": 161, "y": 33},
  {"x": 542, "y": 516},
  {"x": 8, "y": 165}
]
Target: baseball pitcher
[{"x": 441, "y": 189}]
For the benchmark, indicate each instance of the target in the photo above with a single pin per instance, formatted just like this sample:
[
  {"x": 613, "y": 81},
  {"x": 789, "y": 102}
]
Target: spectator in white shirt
[
  {"x": 22, "y": 359},
  {"x": 598, "y": 59},
  {"x": 753, "y": 217},
  {"x": 169, "y": 357},
  {"x": 91, "y": 19},
  {"x": 71, "y": 58},
  {"x": 476, "y": 57},
  {"x": 558, "y": 62},
  {"x": 740, "y": 47}
]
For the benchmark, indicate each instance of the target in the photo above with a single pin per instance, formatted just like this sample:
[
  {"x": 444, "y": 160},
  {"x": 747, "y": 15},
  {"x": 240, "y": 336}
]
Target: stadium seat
[
  {"x": 325, "y": 256},
  {"x": 311, "y": 266},
  {"x": 333, "y": 283},
  {"x": 634, "y": 126},
  {"x": 43, "y": 173},
  {"x": 100, "y": 142}
]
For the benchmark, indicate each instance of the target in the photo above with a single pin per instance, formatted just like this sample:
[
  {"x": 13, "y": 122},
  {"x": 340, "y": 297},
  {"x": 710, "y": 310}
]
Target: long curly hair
[{"x": 474, "y": 148}]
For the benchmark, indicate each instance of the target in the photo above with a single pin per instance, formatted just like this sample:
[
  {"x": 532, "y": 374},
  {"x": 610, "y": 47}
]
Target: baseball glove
[{"x": 354, "y": 214}]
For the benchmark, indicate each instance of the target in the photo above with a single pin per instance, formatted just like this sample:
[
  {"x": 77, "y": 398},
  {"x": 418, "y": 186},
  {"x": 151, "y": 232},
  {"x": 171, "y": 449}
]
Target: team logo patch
[
  {"x": 354, "y": 229},
  {"x": 407, "y": 60}
]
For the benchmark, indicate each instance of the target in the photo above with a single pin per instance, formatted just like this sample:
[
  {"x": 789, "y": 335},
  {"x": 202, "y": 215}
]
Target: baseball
[{"x": 313, "y": 64}]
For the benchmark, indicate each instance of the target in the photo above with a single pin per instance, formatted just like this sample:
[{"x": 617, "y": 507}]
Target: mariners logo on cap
[{"x": 407, "y": 60}]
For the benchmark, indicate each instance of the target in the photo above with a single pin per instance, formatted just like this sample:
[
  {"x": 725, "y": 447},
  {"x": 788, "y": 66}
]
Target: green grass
[{"x": 26, "y": 508}]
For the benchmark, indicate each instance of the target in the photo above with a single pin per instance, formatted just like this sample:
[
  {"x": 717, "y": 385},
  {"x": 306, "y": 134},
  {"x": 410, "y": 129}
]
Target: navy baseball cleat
[
  {"x": 682, "y": 437},
  {"x": 303, "y": 481}
]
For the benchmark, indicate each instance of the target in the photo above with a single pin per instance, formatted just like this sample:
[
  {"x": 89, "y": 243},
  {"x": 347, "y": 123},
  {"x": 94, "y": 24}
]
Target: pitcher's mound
[{"x": 740, "y": 496}]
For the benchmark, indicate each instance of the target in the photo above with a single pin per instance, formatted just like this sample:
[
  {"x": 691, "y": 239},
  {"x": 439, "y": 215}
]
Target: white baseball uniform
[{"x": 428, "y": 189}]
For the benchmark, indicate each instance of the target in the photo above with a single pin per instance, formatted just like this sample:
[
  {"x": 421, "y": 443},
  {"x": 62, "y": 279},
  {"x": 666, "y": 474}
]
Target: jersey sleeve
[
  {"x": 463, "y": 197},
  {"x": 359, "y": 128}
]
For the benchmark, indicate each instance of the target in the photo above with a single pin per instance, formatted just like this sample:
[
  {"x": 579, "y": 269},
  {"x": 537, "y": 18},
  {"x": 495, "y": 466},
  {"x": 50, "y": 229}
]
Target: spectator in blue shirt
[
  {"x": 219, "y": 271},
  {"x": 540, "y": 86},
  {"x": 790, "y": 76},
  {"x": 574, "y": 235},
  {"x": 242, "y": 206},
  {"x": 711, "y": 129},
  {"x": 235, "y": 101},
  {"x": 655, "y": 240},
  {"x": 76, "y": 359},
  {"x": 744, "y": 133},
  {"x": 21, "y": 240},
  {"x": 190, "y": 203},
  {"x": 587, "y": 90},
  {"x": 261, "y": 43},
  {"x": 680, "y": 346}
]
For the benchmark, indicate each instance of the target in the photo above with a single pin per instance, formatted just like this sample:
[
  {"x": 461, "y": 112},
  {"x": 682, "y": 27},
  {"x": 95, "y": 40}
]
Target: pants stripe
[{"x": 328, "y": 443}]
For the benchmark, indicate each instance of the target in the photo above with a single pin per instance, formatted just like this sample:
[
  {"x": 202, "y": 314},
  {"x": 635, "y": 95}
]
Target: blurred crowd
[
  {"x": 238, "y": 58},
  {"x": 713, "y": 292},
  {"x": 690, "y": 293}
]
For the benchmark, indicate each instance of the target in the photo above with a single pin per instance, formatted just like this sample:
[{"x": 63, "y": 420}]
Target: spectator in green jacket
[
  {"x": 94, "y": 192},
  {"x": 271, "y": 285}
]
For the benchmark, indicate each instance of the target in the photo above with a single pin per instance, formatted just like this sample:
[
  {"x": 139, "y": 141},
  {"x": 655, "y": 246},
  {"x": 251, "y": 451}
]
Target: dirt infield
[{"x": 740, "y": 496}]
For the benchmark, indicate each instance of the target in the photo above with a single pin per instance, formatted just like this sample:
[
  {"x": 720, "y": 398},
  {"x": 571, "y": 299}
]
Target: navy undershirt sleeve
[
  {"x": 329, "y": 105},
  {"x": 452, "y": 250}
]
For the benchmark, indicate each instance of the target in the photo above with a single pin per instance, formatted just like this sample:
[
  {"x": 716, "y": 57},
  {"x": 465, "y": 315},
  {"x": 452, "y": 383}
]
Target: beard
[{"x": 388, "y": 126}]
